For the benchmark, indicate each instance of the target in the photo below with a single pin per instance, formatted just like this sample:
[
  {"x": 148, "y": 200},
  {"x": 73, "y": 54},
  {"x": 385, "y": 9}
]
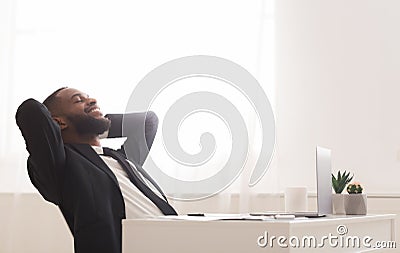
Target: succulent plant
[
  {"x": 354, "y": 188},
  {"x": 340, "y": 182}
]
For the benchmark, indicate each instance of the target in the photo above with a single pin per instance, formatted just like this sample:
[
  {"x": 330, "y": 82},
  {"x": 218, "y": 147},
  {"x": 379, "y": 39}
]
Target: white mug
[{"x": 296, "y": 199}]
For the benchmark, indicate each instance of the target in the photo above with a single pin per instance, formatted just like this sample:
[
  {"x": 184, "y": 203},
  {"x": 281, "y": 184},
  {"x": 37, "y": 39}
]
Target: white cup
[{"x": 296, "y": 199}]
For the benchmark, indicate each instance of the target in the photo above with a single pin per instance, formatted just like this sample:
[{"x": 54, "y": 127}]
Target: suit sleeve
[
  {"x": 140, "y": 130},
  {"x": 43, "y": 141}
]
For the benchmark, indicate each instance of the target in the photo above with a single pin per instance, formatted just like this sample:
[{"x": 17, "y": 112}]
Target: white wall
[
  {"x": 338, "y": 85},
  {"x": 28, "y": 224}
]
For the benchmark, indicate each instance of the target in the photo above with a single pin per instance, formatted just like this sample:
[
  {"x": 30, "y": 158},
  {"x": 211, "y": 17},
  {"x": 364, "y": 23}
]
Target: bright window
[{"x": 106, "y": 47}]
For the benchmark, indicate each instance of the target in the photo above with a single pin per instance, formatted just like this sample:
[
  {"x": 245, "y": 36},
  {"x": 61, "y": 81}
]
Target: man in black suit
[{"x": 94, "y": 188}]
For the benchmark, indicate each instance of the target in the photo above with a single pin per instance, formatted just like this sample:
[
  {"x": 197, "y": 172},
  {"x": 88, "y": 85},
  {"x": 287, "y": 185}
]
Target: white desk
[{"x": 175, "y": 236}]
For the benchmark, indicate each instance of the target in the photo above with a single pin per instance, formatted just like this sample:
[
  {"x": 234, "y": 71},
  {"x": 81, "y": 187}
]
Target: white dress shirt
[{"x": 137, "y": 205}]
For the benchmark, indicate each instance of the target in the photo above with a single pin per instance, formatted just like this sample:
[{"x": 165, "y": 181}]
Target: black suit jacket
[{"x": 75, "y": 178}]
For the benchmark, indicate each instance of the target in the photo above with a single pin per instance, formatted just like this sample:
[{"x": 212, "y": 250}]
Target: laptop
[{"x": 324, "y": 187}]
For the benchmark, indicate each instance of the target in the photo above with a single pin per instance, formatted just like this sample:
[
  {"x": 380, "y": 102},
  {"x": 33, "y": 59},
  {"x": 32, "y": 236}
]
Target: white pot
[
  {"x": 355, "y": 203},
  {"x": 338, "y": 203}
]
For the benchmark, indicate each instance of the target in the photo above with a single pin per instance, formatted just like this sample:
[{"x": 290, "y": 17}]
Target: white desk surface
[{"x": 204, "y": 235}]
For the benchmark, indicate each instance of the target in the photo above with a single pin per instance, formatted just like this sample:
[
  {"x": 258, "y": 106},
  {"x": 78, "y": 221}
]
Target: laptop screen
[{"x": 324, "y": 180}]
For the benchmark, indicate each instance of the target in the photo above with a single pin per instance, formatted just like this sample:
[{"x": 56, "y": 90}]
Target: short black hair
[{"x": 50, "y": 101}]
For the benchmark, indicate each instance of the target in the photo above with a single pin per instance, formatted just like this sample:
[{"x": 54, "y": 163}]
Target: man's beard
[{"x": 85, "y": 124}]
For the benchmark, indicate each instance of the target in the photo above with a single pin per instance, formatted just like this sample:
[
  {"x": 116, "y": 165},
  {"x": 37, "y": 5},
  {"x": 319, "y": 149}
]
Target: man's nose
[{"x": 91, "y": 101}]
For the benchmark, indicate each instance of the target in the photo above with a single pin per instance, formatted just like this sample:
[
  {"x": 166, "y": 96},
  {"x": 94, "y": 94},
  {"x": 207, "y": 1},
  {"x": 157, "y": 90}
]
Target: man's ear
[{"x": 61, "y": 122}]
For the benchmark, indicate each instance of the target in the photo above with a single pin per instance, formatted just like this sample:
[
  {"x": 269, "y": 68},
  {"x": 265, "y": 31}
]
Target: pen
[{"x": 195, "y": 214}]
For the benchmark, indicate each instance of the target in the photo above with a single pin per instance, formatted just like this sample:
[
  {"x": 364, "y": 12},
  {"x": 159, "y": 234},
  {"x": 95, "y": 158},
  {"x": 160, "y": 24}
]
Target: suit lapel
[{"x": 87, "y": 151}]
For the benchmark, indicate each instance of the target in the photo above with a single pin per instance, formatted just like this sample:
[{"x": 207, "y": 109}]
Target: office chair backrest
[{"x": 140, "y": 129}]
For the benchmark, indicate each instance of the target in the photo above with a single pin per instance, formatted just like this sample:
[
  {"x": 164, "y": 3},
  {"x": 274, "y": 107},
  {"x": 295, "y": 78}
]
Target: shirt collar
[{"x": 98, "y": 149}]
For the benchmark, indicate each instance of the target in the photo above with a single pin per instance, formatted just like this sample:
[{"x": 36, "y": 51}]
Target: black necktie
[{"x": 163, "y": 205}]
